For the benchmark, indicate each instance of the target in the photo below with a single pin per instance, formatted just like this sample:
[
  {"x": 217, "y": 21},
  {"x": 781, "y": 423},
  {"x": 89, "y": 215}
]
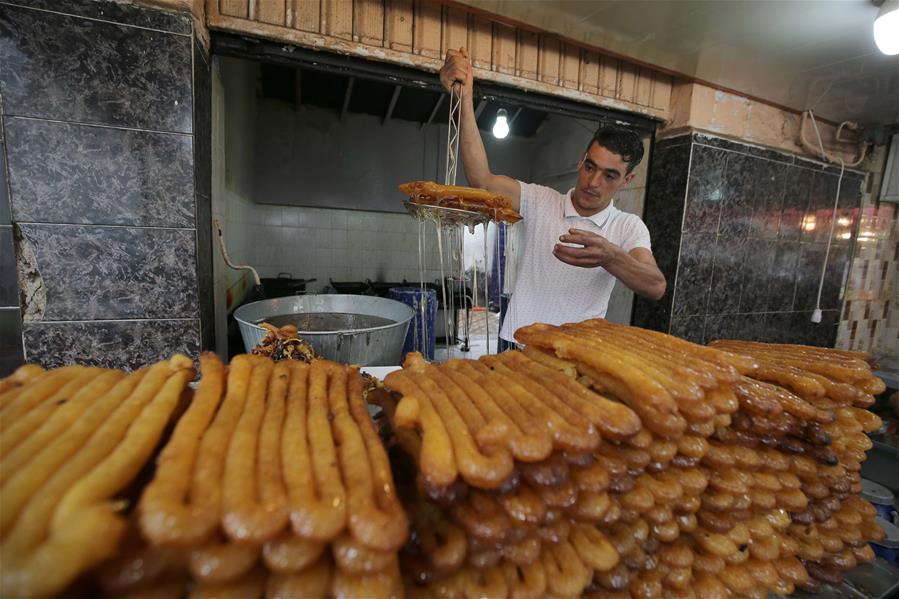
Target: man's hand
[
  {"x": 596, "y": 250},
  {"x": 457, "y": 68}
]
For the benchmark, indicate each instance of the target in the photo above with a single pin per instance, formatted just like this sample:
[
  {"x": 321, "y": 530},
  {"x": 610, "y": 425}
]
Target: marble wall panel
[
  {"x": 116, "y": 12},
  {"x": 797, "y": 190},
  {"x": 663, "y": 215},
  {"x": 753, "y": 242},
  {"x": 60, "y": 67},
  {"x": 694, "y": 274},
  {"x": 4, "y": 187},
  {"x": 757, "y": 278},
  {"x": 93, "y": 272},
  {"x": 737, "y": 205},
  {"x": 9, "y": 290},
  {"x": 68, "y": 173},
  {"x": 11, "y": 355},
  {"x": 729, "y": 265},
  {"x": 768, "y": 185},
  {"x": 705, "y": 190},
  {"x": 127, "y": 344},
  {"x": 782, "y": 286}
]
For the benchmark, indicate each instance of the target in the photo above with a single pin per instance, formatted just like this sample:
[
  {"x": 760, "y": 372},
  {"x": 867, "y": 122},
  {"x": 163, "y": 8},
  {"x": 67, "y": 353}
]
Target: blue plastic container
[
  {"x": 888, "y": 547},
  {"x": 422, "y": 333},
  {"x": 880, "y": 497}
]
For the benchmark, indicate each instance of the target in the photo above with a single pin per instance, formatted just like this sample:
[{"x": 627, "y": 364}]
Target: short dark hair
[{"x": 621, "y": 141}]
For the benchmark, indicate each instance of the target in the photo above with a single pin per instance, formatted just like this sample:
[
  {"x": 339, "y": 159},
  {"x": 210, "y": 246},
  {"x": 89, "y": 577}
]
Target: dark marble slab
[
  {"x": 782, "y": 276},
  {"x": 690, "y": 328},
  {"x": 59, "y": 67},
  {"x": 768, "y": 185},
  {"x": 808, "y": 274},
  {"x": 848, "y": 208},
  {"x": 9, "y": 289},
  {"x": 694, "y": 274},
  {"x": 728, "y": 270},
  {"x": 5, "y": 217},
  {"x": 797, "y": 189},
  {"x": 93, "y": 273},
  {"x": 66, "y": 173},
  {"x": 202, "y": 122},
  {"x": 720, "y": 326},
  {"x": 11, "y": 356},
  {"x": 706, "y": 189},
  {"x": 735, "y": 146},
  {"x": 820, "y": 207},
  {"x": 127, "y": 344},
  {"x": 737, "y": 205},
  {"x": 117, "y": 12},
  {"x": 759, "y": 258},
  {"x": 749, "y": 326}
]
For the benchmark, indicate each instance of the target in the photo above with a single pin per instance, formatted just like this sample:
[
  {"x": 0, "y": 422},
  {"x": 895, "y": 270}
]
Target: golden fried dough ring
[
  {"x": 593, "y": 478},
  {"x": 576, "y": 437},
  {"x": 250, "y": 586},
  {"x": 482, "y": 517},
  {"x": 125, "y": 399},
  {"x": 165, "y": 516},
  {"x": 20, "y": 376},
  {"x": 714, "y": 543},
  {"x": 254, "y": 501},
  {"x": 222, "y": 561},
  {"x": 566, "y": 574},
  {"x": 60, "y": 420},
  {"x": 312, "y": 583},
  {"x": 523, "y": 505},
  {"x": 353, "y": 557},
  {"x": 315, "y": 489},
  {"x": 485, "y": 469},
  {"x": 43, "y": 386},
  {"x": 385, "y": 584},
  {"x": 562, "y": 495},
  {"x": 69, "y": 525},
  {"x": 591, "y": 507},
  {"x": 524, "y": 552},
  {"x": 593, "y": 547},
  {"x": 612, "y": 419},
  {"x": 374, "y": 514},
  {"x": 139, "y": 565},
  {"x": 555, "y": 533},
  {"x": 549, "y": 359},
  {"x": 536, "y": 442},
  {"x": 290, "y": 554},
  {"x": 18, "y": 429},
  {"x": 526, "y": 581}
]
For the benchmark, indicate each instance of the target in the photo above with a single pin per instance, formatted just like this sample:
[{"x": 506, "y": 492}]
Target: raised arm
[{"x": 457, "y": 68}]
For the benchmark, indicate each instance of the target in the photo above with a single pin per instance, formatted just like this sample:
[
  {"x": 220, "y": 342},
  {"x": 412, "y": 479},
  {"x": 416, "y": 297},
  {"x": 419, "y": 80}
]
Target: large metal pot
[{"x": 331, "y": 323}]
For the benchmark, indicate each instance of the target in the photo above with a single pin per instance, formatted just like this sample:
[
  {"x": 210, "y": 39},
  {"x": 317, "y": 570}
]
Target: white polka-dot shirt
[{"x": 548, "y": 290}]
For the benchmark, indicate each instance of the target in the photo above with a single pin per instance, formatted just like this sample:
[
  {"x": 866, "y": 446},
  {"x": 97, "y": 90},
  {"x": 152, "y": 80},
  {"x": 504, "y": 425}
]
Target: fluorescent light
[
  {"x": 501, "y": 126},
  {"x": 886, "y": 28}
]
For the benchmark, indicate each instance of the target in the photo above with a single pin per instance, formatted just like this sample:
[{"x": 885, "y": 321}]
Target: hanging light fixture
[
  {"x": 501, "y": 126},
  {"x": 886, "y": 27}
]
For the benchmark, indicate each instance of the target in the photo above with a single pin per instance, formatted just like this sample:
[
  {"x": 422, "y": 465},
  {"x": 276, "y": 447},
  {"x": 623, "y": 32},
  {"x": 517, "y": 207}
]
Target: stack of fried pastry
[
  {"x": 274, "y": 483},
  {"x": 509, "y": 486},
  {"x": 820, "y": 434},
  {"x": 471, "y": 199},
  {"x": 73, "y": 441}
]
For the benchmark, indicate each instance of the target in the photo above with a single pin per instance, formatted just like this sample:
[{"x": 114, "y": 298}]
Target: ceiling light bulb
[
  {"x": 501, "y": 126},
  {"x": 886, "y": 28}
]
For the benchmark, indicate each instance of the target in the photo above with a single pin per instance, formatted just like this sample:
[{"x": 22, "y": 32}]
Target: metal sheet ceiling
[{"x": 797, "y": 53}]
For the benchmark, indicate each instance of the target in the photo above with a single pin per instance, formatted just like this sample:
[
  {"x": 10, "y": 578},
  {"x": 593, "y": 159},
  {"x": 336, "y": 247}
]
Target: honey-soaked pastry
[{"x": 461, "y": 198}]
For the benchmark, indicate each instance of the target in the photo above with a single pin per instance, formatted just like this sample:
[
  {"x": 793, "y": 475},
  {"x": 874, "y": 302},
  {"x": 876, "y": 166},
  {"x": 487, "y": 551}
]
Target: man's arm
[
  {"x": 474, "y": 158},
  {"x": 637, "y": 269}
]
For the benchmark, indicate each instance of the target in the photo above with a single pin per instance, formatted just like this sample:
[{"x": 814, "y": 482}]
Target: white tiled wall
[{"x": 343, "y": 245}]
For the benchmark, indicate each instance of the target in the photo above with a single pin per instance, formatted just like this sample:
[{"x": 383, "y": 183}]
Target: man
[{"x": 575, "y": 244}]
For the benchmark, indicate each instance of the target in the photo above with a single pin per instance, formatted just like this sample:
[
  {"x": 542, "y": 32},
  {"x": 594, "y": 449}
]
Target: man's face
[{"x": 600, "y": 175}]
